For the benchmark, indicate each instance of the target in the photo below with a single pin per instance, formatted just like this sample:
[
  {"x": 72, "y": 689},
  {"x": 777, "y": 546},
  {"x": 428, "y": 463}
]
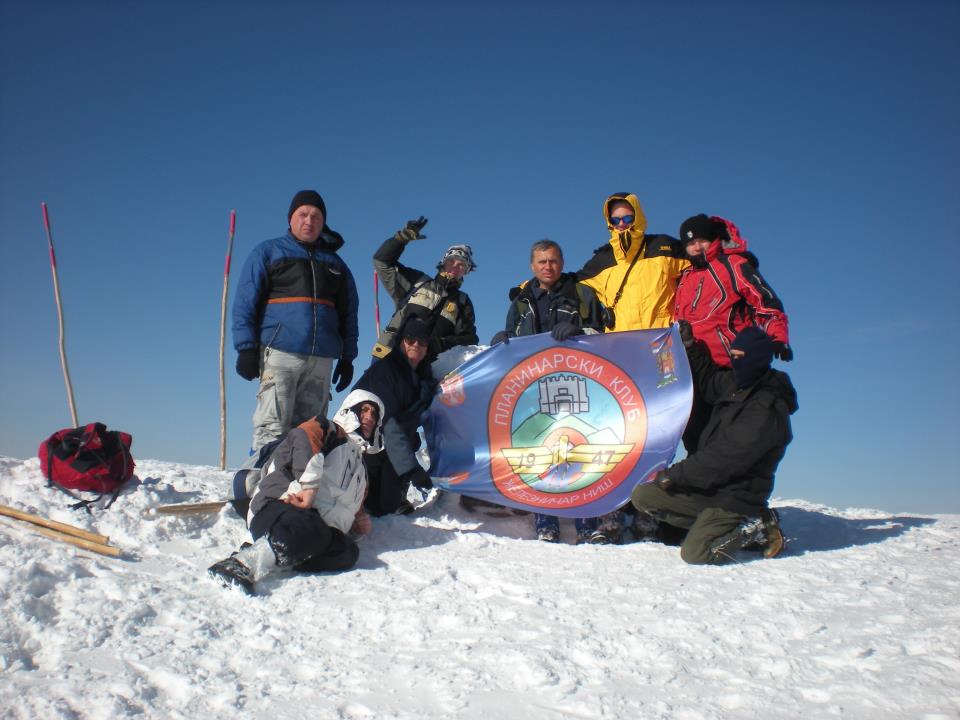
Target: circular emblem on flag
[{"x": 566, "y": 427}]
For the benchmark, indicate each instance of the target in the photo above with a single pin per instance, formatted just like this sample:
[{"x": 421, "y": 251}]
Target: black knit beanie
[
  {"x": 699, "y": 226},
  {"x": 759, "y": 354},
  {"x": 307, "y": 197}
]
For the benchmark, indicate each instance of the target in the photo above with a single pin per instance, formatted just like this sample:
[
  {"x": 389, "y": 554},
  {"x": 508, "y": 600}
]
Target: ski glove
[
  {"x": 782, "y": 351},
  {"x": 664, "y": 482},
  {"x": 499, "y": 338},
  {"x": 412, "y": 230},
  {"x": 686, "y": 333},
  {"x": 564, "y": 330},
  {"x": 419, "y": 479},
  {"x": 343, "y": 374},
  {"x": 248, "y": 363}
]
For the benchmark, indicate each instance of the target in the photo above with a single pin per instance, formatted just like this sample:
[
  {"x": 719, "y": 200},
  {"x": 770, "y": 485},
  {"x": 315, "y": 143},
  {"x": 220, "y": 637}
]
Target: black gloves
[
  {"x": 782, "y": 351},
  {"x": 562, "y": 331},
  {"x": 686, "y": 334},
  {"x": 248, "y": 363},
  {"x": 343, "y": 374},
  {"x": 412, "y": 230},
  {"x": 419, "y": 479},
  {"x": 499, "y": 337},
  {"x": 664, "y": 482}
]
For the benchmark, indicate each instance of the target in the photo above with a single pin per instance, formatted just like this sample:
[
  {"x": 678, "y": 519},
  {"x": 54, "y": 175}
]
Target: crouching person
[
  {"x": 719, "y": 493},
  {"x": 310, "y": 498}
]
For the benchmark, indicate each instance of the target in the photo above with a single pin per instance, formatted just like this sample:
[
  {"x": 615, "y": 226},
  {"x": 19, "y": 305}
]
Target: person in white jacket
[{"x": 310, "y": 497}]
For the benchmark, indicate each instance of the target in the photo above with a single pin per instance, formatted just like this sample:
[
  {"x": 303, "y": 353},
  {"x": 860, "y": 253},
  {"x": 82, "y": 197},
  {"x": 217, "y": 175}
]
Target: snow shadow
[{"x": 812, "y": 531}]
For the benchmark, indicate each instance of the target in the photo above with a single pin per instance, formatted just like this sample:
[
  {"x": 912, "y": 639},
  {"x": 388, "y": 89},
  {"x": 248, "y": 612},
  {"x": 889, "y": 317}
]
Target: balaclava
[{"x": 759, "y": 354}]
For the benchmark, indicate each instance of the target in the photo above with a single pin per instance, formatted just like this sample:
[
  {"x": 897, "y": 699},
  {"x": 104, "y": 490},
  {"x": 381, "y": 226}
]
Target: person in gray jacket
[{"x": 310, "y": 497}]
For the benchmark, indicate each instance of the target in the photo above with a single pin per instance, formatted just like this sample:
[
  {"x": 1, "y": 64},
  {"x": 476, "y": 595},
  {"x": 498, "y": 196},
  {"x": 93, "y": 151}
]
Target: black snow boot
[{"x": 232, "y": 572}]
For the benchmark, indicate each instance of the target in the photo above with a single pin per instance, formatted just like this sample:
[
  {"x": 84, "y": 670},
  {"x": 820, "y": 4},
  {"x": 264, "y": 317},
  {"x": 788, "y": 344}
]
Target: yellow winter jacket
[{"x": 647, "y": 299}]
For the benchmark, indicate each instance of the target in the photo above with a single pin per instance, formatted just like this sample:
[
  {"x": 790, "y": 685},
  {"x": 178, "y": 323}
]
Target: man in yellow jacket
[{"x": 635, "y": 275}]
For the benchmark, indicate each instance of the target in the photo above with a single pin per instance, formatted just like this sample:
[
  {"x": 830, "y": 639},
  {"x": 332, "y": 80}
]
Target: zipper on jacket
[
  {"x": 696, "y": 297},
  {"x": 316, "y": 308},
  {"x": 724, "y": 344}
]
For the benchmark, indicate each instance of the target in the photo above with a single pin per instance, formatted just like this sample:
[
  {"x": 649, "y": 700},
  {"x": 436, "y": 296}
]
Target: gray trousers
[
  {"x": 704, "y": 525},
  {"x": 293, "y": 388}
]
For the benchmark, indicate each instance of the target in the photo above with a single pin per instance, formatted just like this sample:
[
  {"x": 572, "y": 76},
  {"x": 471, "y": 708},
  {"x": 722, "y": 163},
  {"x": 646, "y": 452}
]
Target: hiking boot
[
  {"x": 749, "y": 532},
  {"x": 548, "y": 534},
  {"x": 599, "y": 537},
  {"x": 610, "y": 526},
  {"x": 775, "y": 541},
  {"x": 644, "y": 526},
  {"x": 233, "y": 573}
]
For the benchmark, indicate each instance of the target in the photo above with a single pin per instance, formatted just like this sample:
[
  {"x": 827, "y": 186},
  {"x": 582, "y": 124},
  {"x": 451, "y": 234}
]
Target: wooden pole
[
  {"x": 376, "y": 302},
  {"x": 54, "y": 525},
  {"x": 79, "y": 542},
  {"x": 190, "y": 508},
  {"x": 223, "y": 331},
  {"x": 56, "y": 293}
]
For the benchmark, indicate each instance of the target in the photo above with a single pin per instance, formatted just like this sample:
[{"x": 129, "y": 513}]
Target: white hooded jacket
[{"x": 338, "y": 475}]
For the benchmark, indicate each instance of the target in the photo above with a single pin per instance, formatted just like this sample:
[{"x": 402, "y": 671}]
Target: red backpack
[{"x": 87, "y": 458}]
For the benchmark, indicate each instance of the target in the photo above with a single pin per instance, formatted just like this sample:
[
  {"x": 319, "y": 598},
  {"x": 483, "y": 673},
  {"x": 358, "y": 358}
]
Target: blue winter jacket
[{"x": 297, "y": 297}]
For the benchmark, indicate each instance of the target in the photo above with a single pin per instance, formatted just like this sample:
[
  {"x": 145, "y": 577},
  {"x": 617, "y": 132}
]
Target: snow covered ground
[{"x": 458, "y": 615}]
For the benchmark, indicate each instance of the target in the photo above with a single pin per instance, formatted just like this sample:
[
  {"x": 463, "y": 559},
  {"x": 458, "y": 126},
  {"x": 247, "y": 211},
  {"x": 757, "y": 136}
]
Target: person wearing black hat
[
  {"x": 294, "y": 316},
  {"x": 438, "y": 300},
  {"x": 405, "y": 384},
  {"x": 719, "y": 493},
  {"x": 720, "y": 294}
]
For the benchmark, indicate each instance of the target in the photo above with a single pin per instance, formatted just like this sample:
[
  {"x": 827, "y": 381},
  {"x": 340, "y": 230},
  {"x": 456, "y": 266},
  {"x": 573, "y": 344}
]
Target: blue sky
[{"x": 826, "y": 131}]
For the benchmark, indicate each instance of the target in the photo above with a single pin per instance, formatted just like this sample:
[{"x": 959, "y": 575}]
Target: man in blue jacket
[{"x": 295, "y": 312}]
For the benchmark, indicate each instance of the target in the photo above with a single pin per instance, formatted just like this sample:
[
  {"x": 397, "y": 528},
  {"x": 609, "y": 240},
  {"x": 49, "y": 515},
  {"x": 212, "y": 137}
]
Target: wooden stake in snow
[
  {"x": 223, "y": 330},
  {"x": 376, "y": 302},
  {"x": 189, "y": 508},
  {"x": 56, "y": 293}
]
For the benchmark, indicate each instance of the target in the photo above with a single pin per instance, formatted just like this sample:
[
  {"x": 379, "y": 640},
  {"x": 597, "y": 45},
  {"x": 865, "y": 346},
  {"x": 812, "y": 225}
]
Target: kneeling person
[
  {"x": 303, "y": 509},
  {"x": 719, "y": 493}
]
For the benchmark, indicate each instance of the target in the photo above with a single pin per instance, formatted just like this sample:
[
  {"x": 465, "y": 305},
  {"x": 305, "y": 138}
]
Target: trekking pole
[
  {"x": 223, "y": 326},
  {"x": 376, "y": 301},
  {"x": 56, "y": 293}
]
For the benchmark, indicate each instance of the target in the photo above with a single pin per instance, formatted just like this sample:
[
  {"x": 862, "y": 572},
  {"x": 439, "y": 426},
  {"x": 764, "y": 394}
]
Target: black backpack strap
[{"x": 643, "y": 247}]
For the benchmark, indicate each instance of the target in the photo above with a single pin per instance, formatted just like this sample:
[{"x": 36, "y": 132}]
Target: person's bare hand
[{"x": 302, "y": 499}]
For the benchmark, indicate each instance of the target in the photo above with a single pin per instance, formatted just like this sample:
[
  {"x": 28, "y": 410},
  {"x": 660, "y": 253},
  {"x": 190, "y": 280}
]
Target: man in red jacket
[{"x": 720, "y": 294}]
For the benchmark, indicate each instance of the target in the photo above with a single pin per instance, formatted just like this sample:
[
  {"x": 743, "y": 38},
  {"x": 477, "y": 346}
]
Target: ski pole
[
  {"x": 376, "y": 301},
  {"x": 56, "y": 293},
  {"x": 223, "y": 326}
]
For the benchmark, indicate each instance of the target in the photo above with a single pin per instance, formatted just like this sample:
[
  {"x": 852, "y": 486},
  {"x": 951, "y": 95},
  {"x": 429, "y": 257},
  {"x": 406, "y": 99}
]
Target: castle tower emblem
[{"x": 564, "y": 394}]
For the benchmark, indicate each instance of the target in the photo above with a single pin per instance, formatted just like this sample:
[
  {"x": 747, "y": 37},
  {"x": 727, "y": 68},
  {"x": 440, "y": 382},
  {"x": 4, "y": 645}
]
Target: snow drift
[{"x": 453, "y": 614}]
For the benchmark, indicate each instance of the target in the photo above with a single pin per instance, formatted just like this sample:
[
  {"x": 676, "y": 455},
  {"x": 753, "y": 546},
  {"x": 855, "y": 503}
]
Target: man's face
[
  {"x": 622, "y": 216},
  {"x": 697, "y": 246},
  {"x": 455, "y": 267},
  {"x": 368, "y": 420},
  {"x": 547, "y": 266},
  {"x": 306, "y": 223},
  {"x": 415, "y": 350}
]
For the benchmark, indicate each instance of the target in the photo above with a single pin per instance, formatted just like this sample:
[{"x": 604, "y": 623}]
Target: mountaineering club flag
[{"x": 565, "y": 429}]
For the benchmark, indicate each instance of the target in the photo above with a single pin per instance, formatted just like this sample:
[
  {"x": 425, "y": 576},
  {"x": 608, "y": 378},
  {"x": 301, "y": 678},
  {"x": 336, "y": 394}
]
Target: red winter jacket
[{"x": 727, "y": 295}]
